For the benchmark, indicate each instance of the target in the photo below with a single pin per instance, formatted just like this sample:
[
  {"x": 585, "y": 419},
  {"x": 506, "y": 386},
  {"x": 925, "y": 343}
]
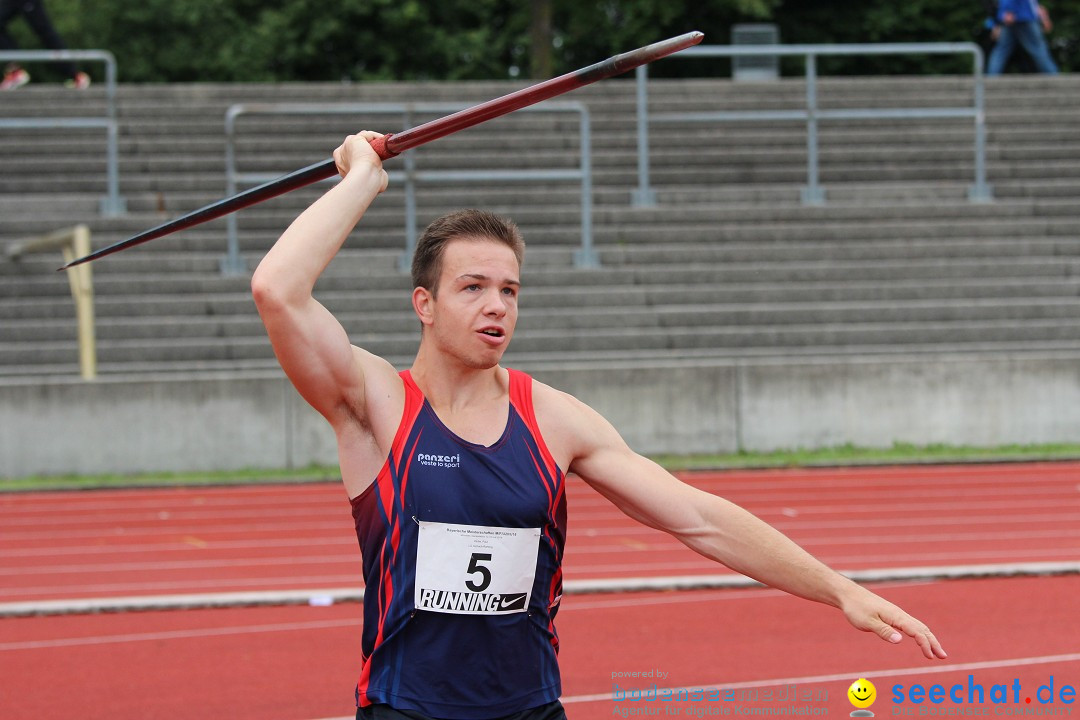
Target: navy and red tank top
[{"x": 455, "y": 660}]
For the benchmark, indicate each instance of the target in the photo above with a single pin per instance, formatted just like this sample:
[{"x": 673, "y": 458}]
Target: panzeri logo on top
[
  {"x": 441, "y": 461},
  {"x": 470, "y": 603}
]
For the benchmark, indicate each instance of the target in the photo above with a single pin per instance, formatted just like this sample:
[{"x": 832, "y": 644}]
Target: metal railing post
[
  {"x": 74, "y": 242},
  {"x": 586, "y": 256},
  {"x": 82, "y": 291},
  {"x": 981, "y": 191},
  {"x": 643, "y": 196},
  {"x": 231, "y": 264},
  {"x": 113, "y": 203},
  {"x": 812, "y": 194}
]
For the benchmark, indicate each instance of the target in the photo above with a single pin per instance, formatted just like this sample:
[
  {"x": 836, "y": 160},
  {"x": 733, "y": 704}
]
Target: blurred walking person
[
  {"x": 15, "y": 76},
  {"x": 1023, "y": 22}
]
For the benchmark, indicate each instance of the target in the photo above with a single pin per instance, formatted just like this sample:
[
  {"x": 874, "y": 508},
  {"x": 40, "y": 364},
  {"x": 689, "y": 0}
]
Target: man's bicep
[
  {"x": 635, "y": 484},
  {"x": 316, "y": 355}
]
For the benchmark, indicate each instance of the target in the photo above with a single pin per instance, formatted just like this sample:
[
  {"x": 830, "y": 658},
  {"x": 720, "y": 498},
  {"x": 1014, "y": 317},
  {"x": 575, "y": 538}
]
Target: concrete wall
[{"x": 213, "y": 422}]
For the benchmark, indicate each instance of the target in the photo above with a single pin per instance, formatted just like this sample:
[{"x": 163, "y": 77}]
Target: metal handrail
[
  {"x": 112, "y": 204},
  {"x": 74, "y": 242},
  {"x": 813, "y": 193},
  {"x": 584, "y": 257}
]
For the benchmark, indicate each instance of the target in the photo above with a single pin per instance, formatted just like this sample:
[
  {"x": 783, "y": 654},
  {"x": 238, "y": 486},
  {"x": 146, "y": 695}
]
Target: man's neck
[{"x": 452, "y": 387}]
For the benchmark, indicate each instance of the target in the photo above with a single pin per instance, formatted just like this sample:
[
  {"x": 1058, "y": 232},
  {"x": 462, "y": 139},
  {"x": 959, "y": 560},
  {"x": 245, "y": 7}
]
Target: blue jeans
[{"x": 1030, "y": 37}]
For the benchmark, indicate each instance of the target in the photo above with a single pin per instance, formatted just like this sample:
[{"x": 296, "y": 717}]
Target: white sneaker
[
  {"x": 81, "y": 81},
  {"x": 15, "y": 79}
]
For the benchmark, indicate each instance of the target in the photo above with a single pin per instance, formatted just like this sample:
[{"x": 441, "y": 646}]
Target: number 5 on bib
[{"x": 474, "y": 569}]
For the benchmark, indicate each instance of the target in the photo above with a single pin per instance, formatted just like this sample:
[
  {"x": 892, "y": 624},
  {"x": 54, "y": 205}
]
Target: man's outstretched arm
[{"x": 723, "y": 531}]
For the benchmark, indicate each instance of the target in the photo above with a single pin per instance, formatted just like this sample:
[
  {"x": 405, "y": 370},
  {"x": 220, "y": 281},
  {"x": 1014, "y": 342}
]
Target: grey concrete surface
[{"x": 203, "y": 422}]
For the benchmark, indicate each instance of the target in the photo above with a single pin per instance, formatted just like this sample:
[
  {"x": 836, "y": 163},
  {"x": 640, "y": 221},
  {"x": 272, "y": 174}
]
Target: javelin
[{"x": 395, "y": 143}]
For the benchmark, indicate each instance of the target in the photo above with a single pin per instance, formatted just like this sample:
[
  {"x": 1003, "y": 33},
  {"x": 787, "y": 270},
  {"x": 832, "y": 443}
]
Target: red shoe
[
  {"x": 81, "y": 81},
  {"x": 14, "y": 79}
]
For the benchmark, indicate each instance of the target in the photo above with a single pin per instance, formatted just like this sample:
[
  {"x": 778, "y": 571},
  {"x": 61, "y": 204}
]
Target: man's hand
[
  {"x": 356, "y": 152},
  {"x": 1044, "y": 18},
  {"x": 871, "y": 613}
]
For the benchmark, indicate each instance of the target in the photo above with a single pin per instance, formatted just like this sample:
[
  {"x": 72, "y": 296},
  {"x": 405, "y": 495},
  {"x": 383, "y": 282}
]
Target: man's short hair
[{"x": 478, "y": 224}]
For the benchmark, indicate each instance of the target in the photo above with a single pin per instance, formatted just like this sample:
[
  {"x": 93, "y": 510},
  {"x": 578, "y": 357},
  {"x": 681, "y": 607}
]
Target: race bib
[{"x": 475, "y": 570}]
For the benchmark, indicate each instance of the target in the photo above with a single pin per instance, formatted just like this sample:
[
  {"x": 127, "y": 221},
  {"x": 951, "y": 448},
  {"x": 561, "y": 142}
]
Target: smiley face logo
[{"x": 862, "y": 693}]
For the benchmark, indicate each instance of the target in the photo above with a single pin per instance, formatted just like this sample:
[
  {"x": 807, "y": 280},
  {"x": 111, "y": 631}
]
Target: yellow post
[{"x": 82, "y": 290}]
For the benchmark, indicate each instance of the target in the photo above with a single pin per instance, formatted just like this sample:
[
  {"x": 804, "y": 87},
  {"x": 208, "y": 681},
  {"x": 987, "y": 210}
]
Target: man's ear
[{"x": 423, "y": 303}]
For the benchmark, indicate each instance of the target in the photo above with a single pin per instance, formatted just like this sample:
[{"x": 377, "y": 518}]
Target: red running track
[
  {"x": 300, "y": 663},
  {"x": 199, "y": 540}
]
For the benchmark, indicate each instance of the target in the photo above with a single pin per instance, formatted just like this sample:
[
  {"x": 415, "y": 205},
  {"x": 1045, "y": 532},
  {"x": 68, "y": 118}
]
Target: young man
[{"x": 456, "y": 467}]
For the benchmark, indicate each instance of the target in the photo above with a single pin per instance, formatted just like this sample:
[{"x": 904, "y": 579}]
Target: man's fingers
[{"x": 925, "y": 639}]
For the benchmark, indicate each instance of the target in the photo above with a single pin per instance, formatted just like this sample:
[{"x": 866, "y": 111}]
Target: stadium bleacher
[{"x": 729, "y": 264}]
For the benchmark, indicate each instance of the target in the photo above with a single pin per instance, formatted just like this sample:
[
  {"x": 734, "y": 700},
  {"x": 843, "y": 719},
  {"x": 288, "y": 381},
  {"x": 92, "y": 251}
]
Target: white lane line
[
  {"x": 949, "y": 557},
  {"x": 174, "y": 514},
  {"x": 665, "y": 543},
  {"x": 352, "y": 559},
  {"x": 757, "y": 495},
  {"x": 353, "y": 578},
  {"x": 175, "y": 634},
  {"x": 150, "y": 503},
  {"x": 839, "y": 677},
  {"x": 570, "y": 587},
  {"x": 579, "y": 527},
  {"x": 925, "y": 509},
  {"x": 278, "y": 529},
  {"x": 789, "y": 525},
  {"x": 188, "y": 544},
  {"x": 661, "y": 542},
  {"x": 894, "y": 672}
]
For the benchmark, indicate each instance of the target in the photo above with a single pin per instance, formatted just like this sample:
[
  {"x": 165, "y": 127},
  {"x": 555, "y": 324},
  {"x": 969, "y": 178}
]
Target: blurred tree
[
  {"x": 540, "y": 34},
  {"x": 363, "y": 40}
]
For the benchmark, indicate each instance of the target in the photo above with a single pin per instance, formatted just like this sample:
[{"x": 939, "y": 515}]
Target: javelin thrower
[{"x": 456, "y": 472}]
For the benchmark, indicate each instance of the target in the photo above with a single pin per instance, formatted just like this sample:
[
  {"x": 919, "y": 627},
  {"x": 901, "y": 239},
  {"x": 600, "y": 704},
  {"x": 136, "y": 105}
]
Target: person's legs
[
  {"x": 14, "y": 76},
  {"x": 43, "y": 28},
  {"x": 8, "y": 8},
  {"x": 1031, "y": 39},
  {"x": 1006, "y": 43}
]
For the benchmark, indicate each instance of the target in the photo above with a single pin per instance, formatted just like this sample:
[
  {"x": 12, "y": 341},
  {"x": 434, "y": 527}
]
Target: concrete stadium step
[
  {"x": 186, "y": 305},
  {"x": 537, "y": 360},
  {"x": 778, "y": 338},
  {"x": 730, "y": 237},
  {"x": 353, "y": 270},
  {"x": 760, "y": 316},
  {"x": 257, "y": 233}
]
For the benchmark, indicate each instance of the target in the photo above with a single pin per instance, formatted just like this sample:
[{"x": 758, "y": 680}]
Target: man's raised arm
[{"x": 311, "y": 345}]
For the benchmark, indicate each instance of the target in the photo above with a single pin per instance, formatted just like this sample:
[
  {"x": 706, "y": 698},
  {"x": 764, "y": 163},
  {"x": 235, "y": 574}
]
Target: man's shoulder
[
  {"x": 560, "y": 408},
  {"x": 551, "y": 396}
]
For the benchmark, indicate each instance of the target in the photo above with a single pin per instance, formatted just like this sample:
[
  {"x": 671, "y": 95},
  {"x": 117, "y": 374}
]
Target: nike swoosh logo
[{"x": 503, "y": 603}]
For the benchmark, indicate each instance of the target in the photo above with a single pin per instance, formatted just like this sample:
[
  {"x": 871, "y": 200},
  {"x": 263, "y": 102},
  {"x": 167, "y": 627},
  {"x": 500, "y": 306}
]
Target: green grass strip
[{"x": 899, "y": 454}]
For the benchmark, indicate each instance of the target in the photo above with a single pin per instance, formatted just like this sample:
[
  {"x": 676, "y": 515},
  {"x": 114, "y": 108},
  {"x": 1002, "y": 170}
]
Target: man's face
[{"x": 474, "y": 313}]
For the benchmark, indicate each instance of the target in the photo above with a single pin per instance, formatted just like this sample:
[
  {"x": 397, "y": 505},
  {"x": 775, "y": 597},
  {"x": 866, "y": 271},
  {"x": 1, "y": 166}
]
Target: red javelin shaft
[{"x": 390, "y": 145}]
